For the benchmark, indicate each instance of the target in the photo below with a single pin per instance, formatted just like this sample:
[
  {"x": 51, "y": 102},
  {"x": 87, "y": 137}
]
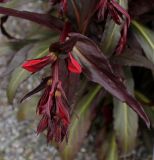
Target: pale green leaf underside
[
  {"x": 125, "y": 121},
  {"x": 145, "y": 37}
]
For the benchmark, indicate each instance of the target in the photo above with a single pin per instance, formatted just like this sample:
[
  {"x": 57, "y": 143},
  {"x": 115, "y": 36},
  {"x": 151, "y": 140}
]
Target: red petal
[
  {"x": 42, "y": 125},
  {"x": 64, "y": 3},
  {"x": 73, "y": 65},
  {"x": 35, "y": 65},
  {"x": 61, "y": 111}
]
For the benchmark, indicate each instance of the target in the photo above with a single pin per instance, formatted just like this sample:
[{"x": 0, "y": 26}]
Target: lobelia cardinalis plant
[{"x": 90, "y": 59}]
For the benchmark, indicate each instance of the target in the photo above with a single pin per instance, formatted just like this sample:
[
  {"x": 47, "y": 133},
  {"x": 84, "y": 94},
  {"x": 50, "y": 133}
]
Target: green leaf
[
  {"x": 125, "y": 122},
  {"x": 79, "y": 126},
  {"x": 19, "y": 74},
  {"x": 27, "y": 109},
  {"x": 113, "y": 151},
  {"x": 110, "y": 37},
  {"x": 145, "y": 37},
  {"x": 112, "y": 33},
  {"x": 17, "y": 77},
  {"x": 108, "y": 149},
  {"x": 11, "y": 47},
  {"x": 148, "y": 109}
]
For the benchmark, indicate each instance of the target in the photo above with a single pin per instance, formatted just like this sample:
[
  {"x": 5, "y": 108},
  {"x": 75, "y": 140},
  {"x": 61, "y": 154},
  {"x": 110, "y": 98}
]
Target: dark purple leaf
[
  {"x": 3, "y": 30},
  {"x": 131, "y": 58},
  {"x": 40, "y": 87},
  {"x": 42, "y": 19},
  {"x": 98, "y": 69},
  {"x": 4, "y": 1}
]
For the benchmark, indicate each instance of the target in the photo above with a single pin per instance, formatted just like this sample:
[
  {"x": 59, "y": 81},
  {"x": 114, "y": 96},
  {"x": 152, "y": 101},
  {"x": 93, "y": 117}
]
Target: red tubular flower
[
  {"x": 116, "y": 12},
  {"x": 35, "y": 65},
  {"x": 73, "y": 65},
  {"x": 54, "y": 109}
]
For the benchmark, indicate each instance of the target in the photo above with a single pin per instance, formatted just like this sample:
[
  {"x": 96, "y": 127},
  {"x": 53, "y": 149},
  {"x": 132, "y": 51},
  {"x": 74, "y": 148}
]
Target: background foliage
[{"x": 117, "y": 130}]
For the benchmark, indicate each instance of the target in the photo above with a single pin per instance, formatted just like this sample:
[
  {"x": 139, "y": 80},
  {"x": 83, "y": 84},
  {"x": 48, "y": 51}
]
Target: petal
[
  {"x": 43, "y": 124},
  {"x": 35, "y": 65},
  {"x": 73, "y": 65},
  {"x": 61, "y": 111}
]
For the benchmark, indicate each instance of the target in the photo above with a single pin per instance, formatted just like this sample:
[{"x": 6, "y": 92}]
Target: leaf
[
  {"x": 98, "y": 69},
  {"x": 12, "y": 46},
  {"x": 145, "y": 37},
  {"x": 27, "y": 109},
  {"x": 42, "y": 19},
  {"x": 110, "y": 38},
  {"x": 113, "y": 151},
  {"x": 108, "y": 149},
  {"x": 112, "y": 34},
  {"x": 148, "y": 109},
  {"x": 3, "y": 20},
  {"x": 125, "y": 121},
  {"x": 17, "y": 77},
  {"x": 19, "y": 74},
  {"x": 131, "y": 58},
  {"x": 79, "y": 126},
  {"x": 18, "y": 59}
]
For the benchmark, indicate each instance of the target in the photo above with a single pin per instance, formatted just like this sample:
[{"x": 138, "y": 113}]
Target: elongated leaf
[
  {"x": 107, "y": 148},
  {"x": 125, "y": 121},
  {"x": 13, "y": 46},
  {"x": 148, "y": 109},
  {"x": 18, "y": 59},
  {"x": 111, "y": 37},
  {"x": 145, "y": 37},
  {"x": 112, "y": 33},
  {"x": 131, "y": 58},
  {"x": 19, "y": 74},
  {"x": 16, "y": 78},
  {"x": 79, "y": 126},
  {"x": 43, "y": 19},
  {"x": 27, "y": 109},
  {"x": 98, "y": 69}
]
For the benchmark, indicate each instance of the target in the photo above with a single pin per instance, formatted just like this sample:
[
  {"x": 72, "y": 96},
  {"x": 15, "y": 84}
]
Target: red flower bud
[
  {"x": 35, "y": 65},
  {"x": 73, "y": 65}
]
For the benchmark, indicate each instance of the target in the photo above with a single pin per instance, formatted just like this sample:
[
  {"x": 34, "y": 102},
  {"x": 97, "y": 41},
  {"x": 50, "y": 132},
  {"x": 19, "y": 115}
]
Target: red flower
[
  {"x": 116, "y": 12},
  {"x": 73, "y": 65},
  {"x": 54, "y": 109},
  {"x": 35, "y": 65}
]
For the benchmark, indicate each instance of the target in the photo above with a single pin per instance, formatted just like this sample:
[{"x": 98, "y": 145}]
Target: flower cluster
[
  {"x": 53, "y": 105},
  {"x": 116, "y": 11}
]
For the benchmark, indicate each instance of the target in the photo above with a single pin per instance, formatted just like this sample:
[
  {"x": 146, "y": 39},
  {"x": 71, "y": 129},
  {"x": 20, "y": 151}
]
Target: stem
[{"x": 42, "y": 19}]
